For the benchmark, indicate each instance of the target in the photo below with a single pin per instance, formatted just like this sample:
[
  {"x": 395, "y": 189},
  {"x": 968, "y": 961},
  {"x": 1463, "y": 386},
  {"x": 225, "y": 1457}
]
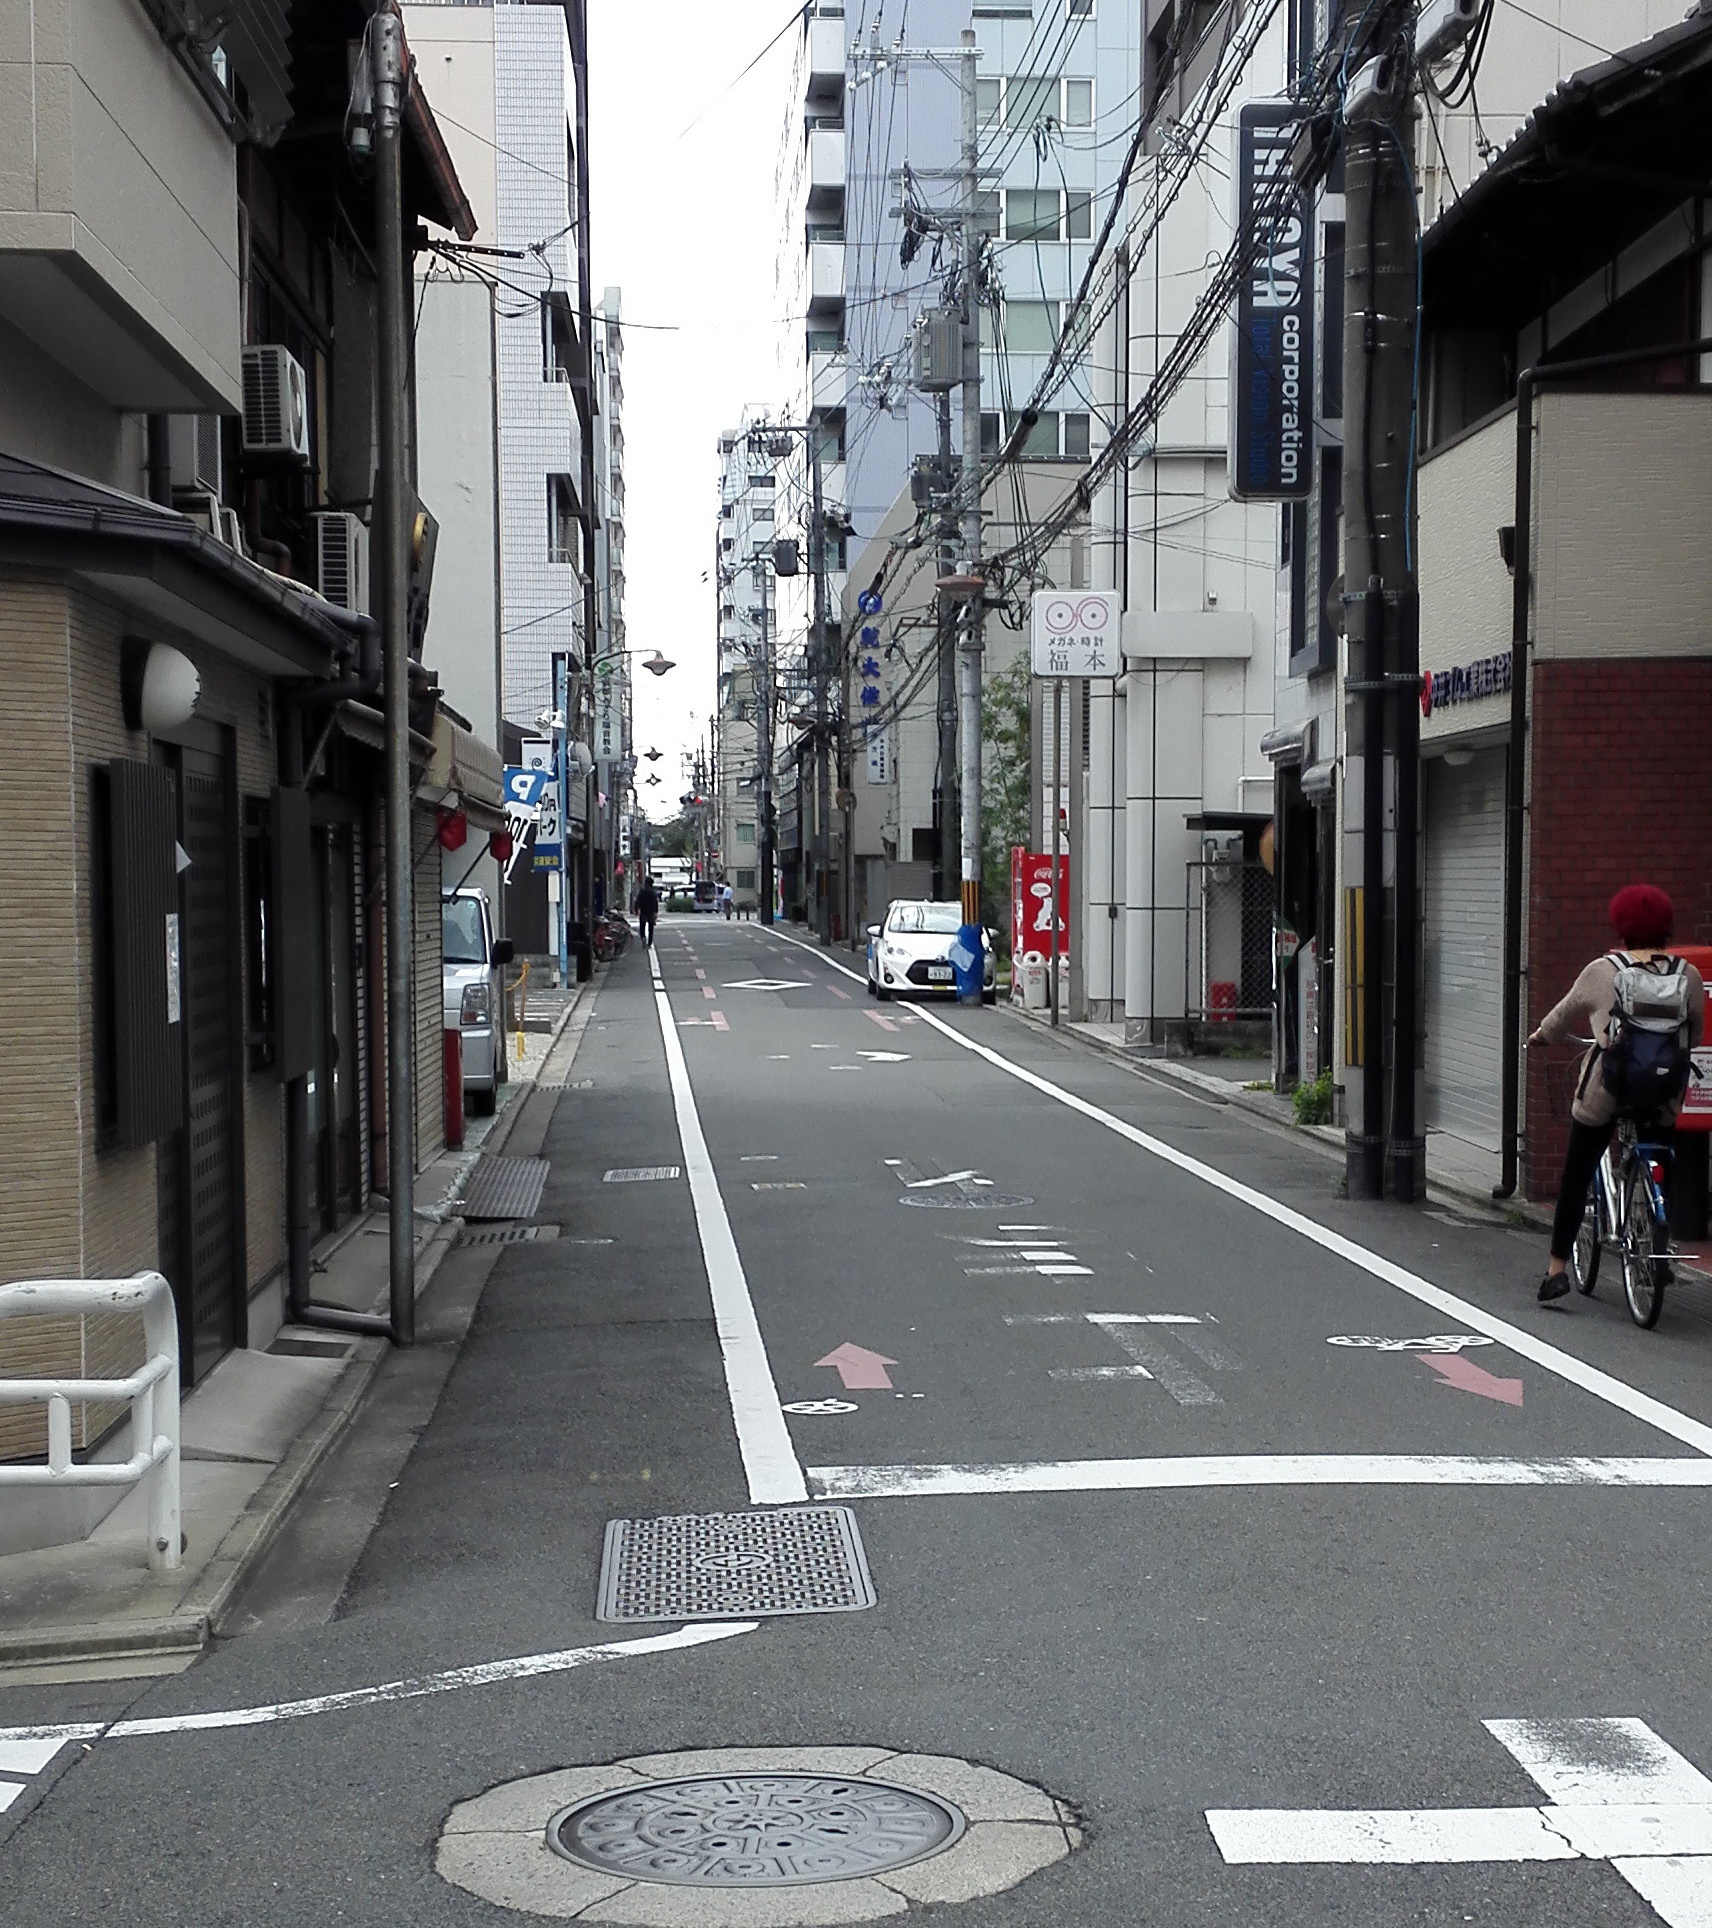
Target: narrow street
[{"x": 1288, "y": 1624}]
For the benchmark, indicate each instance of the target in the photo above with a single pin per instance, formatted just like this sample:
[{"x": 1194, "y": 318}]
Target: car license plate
[{"x": 939, "y": 974}]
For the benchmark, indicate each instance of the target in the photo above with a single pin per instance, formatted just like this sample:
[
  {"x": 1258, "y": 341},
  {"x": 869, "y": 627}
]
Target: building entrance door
[{"x": 199, "y": 1168}]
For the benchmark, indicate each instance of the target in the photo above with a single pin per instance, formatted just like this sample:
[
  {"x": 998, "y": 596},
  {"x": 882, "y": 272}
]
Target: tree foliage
[{"x": 1004, "y": 781}]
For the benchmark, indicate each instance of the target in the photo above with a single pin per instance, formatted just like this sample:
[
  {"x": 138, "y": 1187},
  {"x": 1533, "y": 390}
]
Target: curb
[{"x": 1325, "y": 1141}]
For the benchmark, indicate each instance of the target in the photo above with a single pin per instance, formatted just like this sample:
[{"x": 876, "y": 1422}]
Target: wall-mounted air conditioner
[
  {"x": 276, "y": 404},
  {"x": 342, "y": 559},
  {"x": 193, "y": 444}
]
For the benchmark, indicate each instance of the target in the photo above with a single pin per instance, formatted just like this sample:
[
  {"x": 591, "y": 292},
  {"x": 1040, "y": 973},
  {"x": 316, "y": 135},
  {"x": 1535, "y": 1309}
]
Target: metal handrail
[{"x": 152, "y": 1391}]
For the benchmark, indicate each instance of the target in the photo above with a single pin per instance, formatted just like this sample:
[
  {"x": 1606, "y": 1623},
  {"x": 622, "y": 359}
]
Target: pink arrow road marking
[
  {"x": 860, "y": 1369},
  {"x": 1458, "y": 1370},
  {"x": 885, "y": 1023}
]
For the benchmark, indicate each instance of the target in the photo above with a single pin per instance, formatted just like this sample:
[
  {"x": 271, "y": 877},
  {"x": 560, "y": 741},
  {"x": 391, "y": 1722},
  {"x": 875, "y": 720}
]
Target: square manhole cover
[{"x": 734, "y": 1566}]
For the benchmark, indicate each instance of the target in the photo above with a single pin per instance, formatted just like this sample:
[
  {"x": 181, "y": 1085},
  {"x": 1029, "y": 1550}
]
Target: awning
[
  {"x": 464, "y": 768},
  {"x": 1292, "y": 745},
  {"x": 1319, "y": 779}
]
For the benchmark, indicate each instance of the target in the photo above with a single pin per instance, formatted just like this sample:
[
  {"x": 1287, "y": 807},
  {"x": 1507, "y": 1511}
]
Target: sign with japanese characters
[
  {"x": 608, "y": 717},
  {"x": 1075, "y": 633},
  {"x": 538, "y": 755}
]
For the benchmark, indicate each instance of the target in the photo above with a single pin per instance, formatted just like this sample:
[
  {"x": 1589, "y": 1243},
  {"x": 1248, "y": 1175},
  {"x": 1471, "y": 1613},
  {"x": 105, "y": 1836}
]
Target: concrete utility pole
[
  {"x": 969, "y": 651},
  {"x": 822, "y": 707},
  {"x": 764, "y": 746},
  {"x": 945, "y": 818},
  {"x": 1384, "y": 1150},
  {"x": 392, "y": 373}
]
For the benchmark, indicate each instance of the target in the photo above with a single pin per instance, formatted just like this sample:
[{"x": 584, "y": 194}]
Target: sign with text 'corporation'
[
  {"x": 1075, "y": 633},
  {"x": 1272, "y": 334}
]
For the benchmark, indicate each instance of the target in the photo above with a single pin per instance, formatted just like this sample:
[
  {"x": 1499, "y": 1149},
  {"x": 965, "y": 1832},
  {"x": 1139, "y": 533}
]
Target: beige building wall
[{"x": 1467, "y": 493}]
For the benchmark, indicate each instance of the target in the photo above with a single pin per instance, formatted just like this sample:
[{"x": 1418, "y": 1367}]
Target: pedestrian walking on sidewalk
[
  {"x": 647, "y": 911},
  {"x": 727, "y": 899},
  {"x": 1642, "y": 916}
]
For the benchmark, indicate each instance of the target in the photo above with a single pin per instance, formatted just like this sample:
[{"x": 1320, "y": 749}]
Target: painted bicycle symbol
[{"x": 1439, "y": 1342}]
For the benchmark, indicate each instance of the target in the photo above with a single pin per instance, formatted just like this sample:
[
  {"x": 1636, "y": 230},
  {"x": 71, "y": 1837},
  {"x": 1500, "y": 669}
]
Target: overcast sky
[{"x": 687, "y": 228}]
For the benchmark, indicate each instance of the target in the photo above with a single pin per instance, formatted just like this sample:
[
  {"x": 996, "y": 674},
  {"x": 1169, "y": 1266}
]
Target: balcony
[
  {"x": 828, "y": 378},
  {"x": 826, "y": 157},
  {"x": 825, "y": 273},
  {"x": 825, "y": 56}
]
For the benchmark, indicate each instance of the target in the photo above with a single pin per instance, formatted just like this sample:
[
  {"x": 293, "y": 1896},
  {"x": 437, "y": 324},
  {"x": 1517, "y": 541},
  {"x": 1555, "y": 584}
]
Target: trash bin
[{"x": 1032, "y": 967}]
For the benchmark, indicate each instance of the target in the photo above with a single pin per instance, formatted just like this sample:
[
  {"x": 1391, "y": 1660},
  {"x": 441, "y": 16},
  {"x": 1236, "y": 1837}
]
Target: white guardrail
[{"x": 152, "y": 1391}]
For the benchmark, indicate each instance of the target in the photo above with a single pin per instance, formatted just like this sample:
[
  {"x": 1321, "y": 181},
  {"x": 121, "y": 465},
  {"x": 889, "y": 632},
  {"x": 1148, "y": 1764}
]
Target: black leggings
[
  {"x": 1586, "y": 1147},
  {"x": 647, "y": 924}
]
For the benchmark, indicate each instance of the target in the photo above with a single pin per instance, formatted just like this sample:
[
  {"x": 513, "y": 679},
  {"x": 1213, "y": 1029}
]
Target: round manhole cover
[
  {"x": 755, "y": 1830},
  {"x": 982, "y": 1201}
]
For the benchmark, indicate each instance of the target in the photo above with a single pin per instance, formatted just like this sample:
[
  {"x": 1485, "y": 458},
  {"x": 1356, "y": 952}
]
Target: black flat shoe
[{"x": 1554, "y": 1285}]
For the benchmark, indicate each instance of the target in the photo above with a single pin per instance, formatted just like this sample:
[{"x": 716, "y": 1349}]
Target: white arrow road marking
[
  {"x": 765, "y": 983},
  {"x": 1618, "y": 1793},
  {"x": 949, "y": 1178},
  {"x": 885, "y": 1057},
  {"x": 44, "y": 1742}
]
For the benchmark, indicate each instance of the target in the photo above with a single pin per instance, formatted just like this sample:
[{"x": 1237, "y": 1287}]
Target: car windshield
[
  {"x": 933, "y": 920},
  {"x": 461, "y": 931}
]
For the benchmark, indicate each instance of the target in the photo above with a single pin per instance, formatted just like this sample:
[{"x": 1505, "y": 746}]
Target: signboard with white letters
[
  {"x": 608, "y": 717},
  {"x": 549, "y": 829},
  {"x": 1075, "y": 633}
]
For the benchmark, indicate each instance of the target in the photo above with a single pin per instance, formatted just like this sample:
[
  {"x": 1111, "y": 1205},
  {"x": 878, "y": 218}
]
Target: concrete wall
[
  {"x": 118, "y": 206},
  {"x": 1467, "y": 493},
  {"x": 453, "y": 48},
  {"x": 1623, "y": 567}
]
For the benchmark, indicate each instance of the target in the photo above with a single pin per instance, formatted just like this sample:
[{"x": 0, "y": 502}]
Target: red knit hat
[{"x": 1642, "y": 914}]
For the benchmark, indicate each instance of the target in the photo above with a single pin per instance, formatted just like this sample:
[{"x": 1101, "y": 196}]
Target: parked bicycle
[
  {"x": 611, "y": 936},
  {"x": 1626, "y": 1212}
]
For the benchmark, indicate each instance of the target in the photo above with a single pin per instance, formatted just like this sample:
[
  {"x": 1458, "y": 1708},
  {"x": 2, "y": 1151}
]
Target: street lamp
[{"x": 657, "y": 664}]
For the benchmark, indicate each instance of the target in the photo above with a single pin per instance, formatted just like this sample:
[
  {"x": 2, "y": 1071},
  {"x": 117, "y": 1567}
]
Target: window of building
[
  {"x": 837, "y": 556},
  {"x": 1042, "y": 439},
  {"x": 987, "y": 217},
  {"x": 759, "y": 514},
  {"x": 922, "y": 841},
  {"x": 1032, "y": 213},
  {"x": 761, "y": 482},
  {"x": 1030, "y": 99},
  {"x": 746, "y": 833},
  {"x": 988, "y": 92},
  {"x": 1079, "y": 9},
  {"x": 1078, "y": 103},
  {"x": 561, "y": 519},
  {"x": 1031, "y": 327},
  {"x": 1078, "y": 217},
  {"x": 1077, "y": 428},
  {"x": 745, "y": 880},
  {"x": 829, "y": 433},
  {"x": 825, "y": 341},
  {"x": 989, "y": 432}
]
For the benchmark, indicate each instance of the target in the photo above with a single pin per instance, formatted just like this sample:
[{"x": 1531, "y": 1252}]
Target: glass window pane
[
  {"x": 1031, "y": 214},
  {"x": 1030, "y": 327},
  {"x": 1030, "y": 99},
  {"x": 987, "y": 92},
  {"x": 1076, "y": 433},
  {"x": 989, "y": 433},
  {"x": 1079, "y": 221},
  {"x": 1078, "y": 103},
  {"x": 1042, "y": 439},
  {"x": 987, "y": 211}
]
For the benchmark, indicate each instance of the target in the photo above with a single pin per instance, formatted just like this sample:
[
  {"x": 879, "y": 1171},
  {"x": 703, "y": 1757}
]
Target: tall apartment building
[{"x": 613, "y": 743}]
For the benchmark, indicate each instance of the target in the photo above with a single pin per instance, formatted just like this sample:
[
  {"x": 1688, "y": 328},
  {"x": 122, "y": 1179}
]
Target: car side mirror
[
  {"x": 873, "y": 930},
  {"x": 503, "y": 951}
]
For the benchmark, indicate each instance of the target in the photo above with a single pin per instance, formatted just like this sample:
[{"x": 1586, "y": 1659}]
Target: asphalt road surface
[{"x": 1304, "y": 1630}]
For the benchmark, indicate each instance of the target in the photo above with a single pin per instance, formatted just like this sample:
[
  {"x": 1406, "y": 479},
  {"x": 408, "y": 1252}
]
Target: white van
[{"x": 472, "y": 987}]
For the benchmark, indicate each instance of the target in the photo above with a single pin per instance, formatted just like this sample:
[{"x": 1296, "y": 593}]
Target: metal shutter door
[
  {"x": 1464, "y": 927},
  {"x": 427, "y": 978}
]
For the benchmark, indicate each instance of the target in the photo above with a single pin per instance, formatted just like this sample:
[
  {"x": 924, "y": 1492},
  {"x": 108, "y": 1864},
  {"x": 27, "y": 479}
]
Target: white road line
[
  {"x": 491, "y": 1673},
  {"x": 1099, "y": 1372},
  {"x": 1251, "y": 1469},
  {"x": 1400, "y": 1836},
  {"x": 769, "y": 1460},
  {"x": 1601, "y": 1761},
  {"x": 1602, "y": 1385},
  {"x": 1101, "y": 1318}
]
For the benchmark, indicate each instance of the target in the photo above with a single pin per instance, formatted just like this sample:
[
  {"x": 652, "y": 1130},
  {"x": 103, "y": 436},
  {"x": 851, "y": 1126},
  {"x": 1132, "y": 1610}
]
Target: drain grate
[
  {"x": 506, "y": 1235},
  {"x": 734, "y": 1566},
  {"x": 638, "y": 1174},
  {"x": 504, "y": 1188},
  {"x": 755, "y": 1830}
]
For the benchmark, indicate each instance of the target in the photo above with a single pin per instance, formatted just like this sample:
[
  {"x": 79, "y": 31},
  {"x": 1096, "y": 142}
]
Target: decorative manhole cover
[
  {"x": 734, "y": 1566},
  {"x": 755, "y": 1830}
]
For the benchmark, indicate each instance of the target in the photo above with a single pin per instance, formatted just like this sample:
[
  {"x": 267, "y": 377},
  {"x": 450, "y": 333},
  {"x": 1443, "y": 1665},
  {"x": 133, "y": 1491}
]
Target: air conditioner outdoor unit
[
  {"x": 193, "y": 443},
  {"x": 342, "y": 560},
  {"x": 276, "y": 403}
]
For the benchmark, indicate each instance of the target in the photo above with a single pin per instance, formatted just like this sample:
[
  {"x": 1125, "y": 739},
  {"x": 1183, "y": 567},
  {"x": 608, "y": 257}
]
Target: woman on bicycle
[{"x": 1642, "y": 917}]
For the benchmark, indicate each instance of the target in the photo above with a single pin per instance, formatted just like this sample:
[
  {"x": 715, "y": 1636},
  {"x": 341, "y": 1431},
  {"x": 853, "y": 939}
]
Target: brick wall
[{"x": 1622, "y": 793}]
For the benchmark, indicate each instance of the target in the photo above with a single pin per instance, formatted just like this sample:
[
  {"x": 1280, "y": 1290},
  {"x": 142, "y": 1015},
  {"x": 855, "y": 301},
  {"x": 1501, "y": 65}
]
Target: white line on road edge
[
  {"x": 1249, "y": 1469},
  {"x": 769, "y": 1460},
  {"x": 489, "y": 1674},
  {"x": 1602, "y": 1385}
]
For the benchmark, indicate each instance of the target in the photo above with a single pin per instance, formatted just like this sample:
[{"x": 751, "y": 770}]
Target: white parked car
[
  {"x": 909, "y": 951},
  {"x": 472, "y": 990}
]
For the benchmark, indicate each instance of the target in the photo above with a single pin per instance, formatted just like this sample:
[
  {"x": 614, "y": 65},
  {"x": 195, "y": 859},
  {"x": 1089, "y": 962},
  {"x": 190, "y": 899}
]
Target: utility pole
[
  {"x": 822, "y": 677},
  {"x": 392, "y": 369},
  {"x": 764, "y": 746},
  {"x": 945, "y": 818},
  {"x": 969, "y": 651},
  {"x": 1384, "y": 1150}
]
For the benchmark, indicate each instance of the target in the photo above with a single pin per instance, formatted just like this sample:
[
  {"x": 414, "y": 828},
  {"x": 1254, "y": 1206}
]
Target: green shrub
[{"x": 1313, "y": 1101}]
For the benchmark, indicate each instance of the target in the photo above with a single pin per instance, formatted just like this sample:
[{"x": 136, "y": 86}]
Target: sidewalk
[{"x": 252, "y": 1435}]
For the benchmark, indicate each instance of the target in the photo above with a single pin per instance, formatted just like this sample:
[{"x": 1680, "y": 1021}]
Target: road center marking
[
  {"x": 769, "y": 1460},
  {"x": 1590, "y": 1379}
]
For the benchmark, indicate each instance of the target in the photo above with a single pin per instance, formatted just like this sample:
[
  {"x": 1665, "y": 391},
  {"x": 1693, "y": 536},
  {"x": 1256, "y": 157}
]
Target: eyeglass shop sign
[{"x": 1271, "y": 410}]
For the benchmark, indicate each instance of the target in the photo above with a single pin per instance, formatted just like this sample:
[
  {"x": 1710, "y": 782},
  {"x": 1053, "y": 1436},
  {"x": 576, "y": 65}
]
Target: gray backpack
[{"x": 1646, "y": 1059}]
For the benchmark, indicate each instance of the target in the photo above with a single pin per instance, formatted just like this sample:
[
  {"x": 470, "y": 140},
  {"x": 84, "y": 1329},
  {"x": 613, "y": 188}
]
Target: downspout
[
  {"x": 1515, "y": 826},
  {"x": 158, "y": 459}
]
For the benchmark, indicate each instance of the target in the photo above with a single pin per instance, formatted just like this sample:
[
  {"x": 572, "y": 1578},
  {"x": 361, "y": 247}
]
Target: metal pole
[
  {"x": 764, "y": 749},
  {"x": 822, "y": 719},
  {"x": 969, "y": 651},
  {"x": 1077, "y": 936},
  {"x": 392, "y": 365},
  {"x": 1057, "y": 782}
]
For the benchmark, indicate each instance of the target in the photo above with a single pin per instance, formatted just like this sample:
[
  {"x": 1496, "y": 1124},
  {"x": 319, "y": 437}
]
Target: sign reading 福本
[
  {"x": 1075, "y": 633},
  {"x": 1271, "y": 403}
]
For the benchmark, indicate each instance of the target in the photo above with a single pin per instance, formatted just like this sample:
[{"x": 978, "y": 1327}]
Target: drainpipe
[
  {"x": 158, "y": 459},
  {"x": 1515, "y": 807}
]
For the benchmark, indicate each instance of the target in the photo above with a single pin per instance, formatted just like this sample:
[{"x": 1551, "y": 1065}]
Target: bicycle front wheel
[
  {"x": 1584, "y": 1253},
  {"x": 1646, "y": 1249}
]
